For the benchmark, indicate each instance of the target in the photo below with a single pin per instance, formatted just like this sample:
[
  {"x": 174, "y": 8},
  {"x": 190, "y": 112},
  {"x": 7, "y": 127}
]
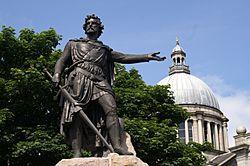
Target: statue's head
[{"x": 93, "y": 24}]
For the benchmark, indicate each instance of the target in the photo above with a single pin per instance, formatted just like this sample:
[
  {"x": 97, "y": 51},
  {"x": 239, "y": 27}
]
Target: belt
[{"x": 90, "y": 75}]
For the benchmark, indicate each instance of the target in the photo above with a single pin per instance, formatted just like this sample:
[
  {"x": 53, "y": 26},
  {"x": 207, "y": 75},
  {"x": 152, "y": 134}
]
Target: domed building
[{"x": 207, "y": 122}]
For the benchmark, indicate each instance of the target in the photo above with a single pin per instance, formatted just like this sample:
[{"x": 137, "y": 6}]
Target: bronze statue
[{"x": 88, "y": 66}]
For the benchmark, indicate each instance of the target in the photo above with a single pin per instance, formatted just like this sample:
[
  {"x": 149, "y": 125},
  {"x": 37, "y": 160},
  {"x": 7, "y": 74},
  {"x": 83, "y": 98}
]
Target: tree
[{"x": 29, "y": 119}]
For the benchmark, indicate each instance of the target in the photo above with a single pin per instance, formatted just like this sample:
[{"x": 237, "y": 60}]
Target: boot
[{"x": 113, "y": 128}]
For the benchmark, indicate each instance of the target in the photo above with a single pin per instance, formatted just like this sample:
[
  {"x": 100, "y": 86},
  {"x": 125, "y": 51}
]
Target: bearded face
[{"x": 92, "y": 26}]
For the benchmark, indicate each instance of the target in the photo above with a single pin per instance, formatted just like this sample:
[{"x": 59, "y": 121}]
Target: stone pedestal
[{"x": 113, "y": 159}]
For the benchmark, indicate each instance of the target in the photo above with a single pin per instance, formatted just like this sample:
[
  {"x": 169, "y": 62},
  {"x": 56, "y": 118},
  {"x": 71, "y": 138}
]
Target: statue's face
[{"x": 92, "y": 26}]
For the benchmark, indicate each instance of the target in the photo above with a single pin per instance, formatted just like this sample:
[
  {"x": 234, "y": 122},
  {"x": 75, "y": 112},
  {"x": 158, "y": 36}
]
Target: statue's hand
[
  {"x": 56, "y": 79},
  {"x": 153, "y": 56}
]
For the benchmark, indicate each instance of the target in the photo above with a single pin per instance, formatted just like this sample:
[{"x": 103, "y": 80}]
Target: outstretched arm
[{"x": 132, "y": 58}]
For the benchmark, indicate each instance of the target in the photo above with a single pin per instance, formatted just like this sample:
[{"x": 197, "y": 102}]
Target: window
[
  {"x": 178, "y": 60},
  {"x": 205, "y": 131},
  {"x": 181, "y": 132},
  {"x": 190, "y": 130},
  {"x": 213, "y": 133}
]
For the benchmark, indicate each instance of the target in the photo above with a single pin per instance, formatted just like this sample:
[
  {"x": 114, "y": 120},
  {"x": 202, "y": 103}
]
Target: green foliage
[
  {"x": 28, "y": 49},
  {"x": 29, "y": 118},
  {"x": 184, "y": 154},
  {"x": 40, "y": 148},
  {"x": 124, "y": 79},
  {"x": 7, "y": 138},
  {"x": 150, "y": 138}
]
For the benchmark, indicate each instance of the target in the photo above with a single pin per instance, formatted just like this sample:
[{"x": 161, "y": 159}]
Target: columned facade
[{"x": 203, "y": 127}]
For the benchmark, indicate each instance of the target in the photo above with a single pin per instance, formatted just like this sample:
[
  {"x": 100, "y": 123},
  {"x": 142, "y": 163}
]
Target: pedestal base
[{"x": 113, "y": 159}]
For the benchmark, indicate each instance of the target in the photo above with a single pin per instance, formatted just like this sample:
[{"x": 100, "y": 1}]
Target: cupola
[{"x": 179, "y": 60}]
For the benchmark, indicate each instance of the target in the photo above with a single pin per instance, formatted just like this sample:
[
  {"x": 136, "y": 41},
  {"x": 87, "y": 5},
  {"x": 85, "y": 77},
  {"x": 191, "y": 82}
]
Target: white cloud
[
  {"x": 236, "y": 107},
  {"x": 234, "y": 103}
]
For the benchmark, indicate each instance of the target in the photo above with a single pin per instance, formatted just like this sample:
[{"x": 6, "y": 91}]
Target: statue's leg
[
  {"x": 108, "y": 104},
  {"x": 76, "y": 135}
]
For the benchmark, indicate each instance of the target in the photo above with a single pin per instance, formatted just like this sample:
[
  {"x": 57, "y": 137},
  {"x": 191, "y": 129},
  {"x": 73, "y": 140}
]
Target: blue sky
[{"x": 214, "y": 34}]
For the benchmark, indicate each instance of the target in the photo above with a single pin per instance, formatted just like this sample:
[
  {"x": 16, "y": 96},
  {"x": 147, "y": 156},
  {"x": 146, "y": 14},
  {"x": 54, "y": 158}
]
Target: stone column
[
  {"x": 217, "y": 147},
  {"x": 195, "y": 131},
  {"x": 224, "y": 126},
  {"x": 222, "y": 148},
  {"x": 186, "y": 132},
  {"x": 209, "y": 135},
  {"x": 200, "y": 129}
]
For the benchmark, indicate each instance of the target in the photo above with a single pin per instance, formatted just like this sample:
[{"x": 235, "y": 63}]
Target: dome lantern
[{"x": 178, "y": 56}]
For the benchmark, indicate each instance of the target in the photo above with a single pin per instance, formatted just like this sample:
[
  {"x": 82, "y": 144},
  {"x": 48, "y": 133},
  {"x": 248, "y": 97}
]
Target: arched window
[
  {"x": 178, "y": 60},
  {"x": 182, "y": 60}
]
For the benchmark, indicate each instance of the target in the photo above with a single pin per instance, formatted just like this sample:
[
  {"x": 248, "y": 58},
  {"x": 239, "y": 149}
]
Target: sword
[{"x": 82, "y": 114}]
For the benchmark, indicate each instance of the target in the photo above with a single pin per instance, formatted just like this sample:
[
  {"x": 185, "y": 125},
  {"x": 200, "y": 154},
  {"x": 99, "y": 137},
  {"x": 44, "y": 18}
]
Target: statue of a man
[{"x": 88, "y": 65}]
